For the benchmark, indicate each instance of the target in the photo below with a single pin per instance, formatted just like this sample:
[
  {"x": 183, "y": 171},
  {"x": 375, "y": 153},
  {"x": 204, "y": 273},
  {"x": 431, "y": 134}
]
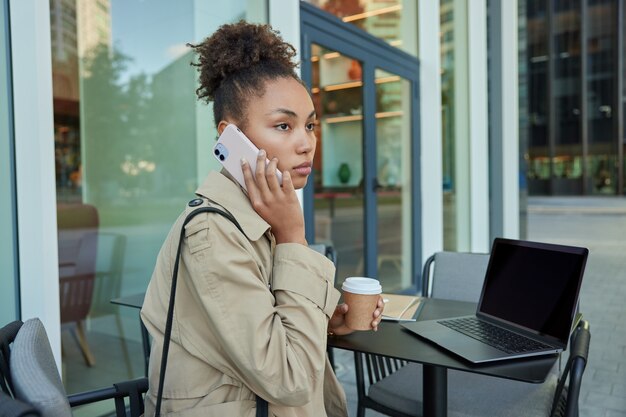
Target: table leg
[{"x": 435, "y": 391}]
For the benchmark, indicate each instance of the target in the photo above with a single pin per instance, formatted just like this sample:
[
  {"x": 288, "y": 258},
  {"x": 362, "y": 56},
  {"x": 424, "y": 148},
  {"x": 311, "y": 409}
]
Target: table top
[
  {"x": 394, "y": 341},
  {"x": 135, "y": 300}
]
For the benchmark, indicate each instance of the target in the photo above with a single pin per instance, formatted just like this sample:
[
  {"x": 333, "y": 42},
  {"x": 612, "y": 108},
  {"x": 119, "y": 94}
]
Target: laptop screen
[{"x": 533, "y": 285}]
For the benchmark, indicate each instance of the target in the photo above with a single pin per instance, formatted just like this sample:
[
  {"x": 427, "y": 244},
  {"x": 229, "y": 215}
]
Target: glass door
[{"x": 363, "y": 197}]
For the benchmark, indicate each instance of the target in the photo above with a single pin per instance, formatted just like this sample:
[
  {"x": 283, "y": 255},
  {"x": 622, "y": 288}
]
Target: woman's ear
[{"x": 221, "y": 126}]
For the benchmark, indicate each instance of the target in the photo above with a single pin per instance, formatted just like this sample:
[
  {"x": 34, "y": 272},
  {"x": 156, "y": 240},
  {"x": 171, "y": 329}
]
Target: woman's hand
[
  {"x": 337, "y": 323},
  {"x": 279, "y": 206}
]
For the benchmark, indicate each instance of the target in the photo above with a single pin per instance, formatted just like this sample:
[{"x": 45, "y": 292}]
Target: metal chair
[
  {"x": 376, "y": 368},
  {"x": 29, "y": 377},
  {"x": 459, "y": 276}
]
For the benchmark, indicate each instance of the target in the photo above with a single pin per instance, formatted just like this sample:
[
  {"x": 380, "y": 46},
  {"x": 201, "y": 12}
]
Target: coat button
[{"x": 195, "y": 202}]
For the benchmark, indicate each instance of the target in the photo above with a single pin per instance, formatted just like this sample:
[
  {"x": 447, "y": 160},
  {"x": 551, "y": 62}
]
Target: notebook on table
[
  {"x": 401, "y": 307},
  {"x": 526, "y": 308}
]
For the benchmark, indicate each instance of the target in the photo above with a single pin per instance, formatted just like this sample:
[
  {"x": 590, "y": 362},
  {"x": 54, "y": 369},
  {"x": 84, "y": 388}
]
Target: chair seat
[{"x": 488, "y": 396}]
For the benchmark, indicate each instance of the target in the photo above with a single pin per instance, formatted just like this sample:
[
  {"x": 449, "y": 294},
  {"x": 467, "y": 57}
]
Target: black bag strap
[{"x": 261, "y": 404}]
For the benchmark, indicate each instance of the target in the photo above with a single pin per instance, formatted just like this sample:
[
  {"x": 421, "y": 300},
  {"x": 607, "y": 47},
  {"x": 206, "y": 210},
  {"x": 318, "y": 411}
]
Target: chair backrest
[
  {"x": 378, "y": 367},
  {"x": 455, "y": 275},
  {"x": 31, "y": 385},
  {"x": 326, "y": 250},
  {"x": 34, "y": 374},
  {"x": 78, "y": 245},
  {"x": 565, "y": 402}
]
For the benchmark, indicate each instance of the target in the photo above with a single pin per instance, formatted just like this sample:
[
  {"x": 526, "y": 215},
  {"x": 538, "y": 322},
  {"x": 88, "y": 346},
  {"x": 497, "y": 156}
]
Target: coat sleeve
[{"x": 274, "y": 341}]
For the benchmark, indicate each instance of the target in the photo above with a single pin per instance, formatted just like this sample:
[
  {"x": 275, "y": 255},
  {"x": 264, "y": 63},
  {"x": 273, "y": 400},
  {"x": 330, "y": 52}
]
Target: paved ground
[{"x": 600, "y": 225}]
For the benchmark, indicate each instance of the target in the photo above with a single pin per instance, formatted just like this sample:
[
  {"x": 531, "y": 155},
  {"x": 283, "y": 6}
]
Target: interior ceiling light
[{"x": 371, "y": 13}]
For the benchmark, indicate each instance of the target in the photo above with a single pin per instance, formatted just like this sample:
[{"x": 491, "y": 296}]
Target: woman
[{"x": 253, "y": 309}]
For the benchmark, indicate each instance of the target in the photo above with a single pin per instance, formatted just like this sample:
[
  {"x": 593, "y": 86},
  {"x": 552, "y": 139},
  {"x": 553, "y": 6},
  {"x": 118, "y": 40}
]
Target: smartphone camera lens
[
  {"x": 221, "y": 157},
  {"x": 217, "y": 152}
]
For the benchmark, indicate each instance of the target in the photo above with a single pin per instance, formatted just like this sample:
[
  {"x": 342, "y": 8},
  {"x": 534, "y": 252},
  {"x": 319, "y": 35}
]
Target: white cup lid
[{"x": 361, "y": 285}]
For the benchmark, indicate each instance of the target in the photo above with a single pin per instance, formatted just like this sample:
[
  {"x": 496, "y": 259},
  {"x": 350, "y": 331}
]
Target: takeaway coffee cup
[{"x": 361, "y": 294}]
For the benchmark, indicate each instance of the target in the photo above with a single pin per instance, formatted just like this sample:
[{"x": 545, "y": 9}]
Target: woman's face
[{"x": 282, "y": 122}]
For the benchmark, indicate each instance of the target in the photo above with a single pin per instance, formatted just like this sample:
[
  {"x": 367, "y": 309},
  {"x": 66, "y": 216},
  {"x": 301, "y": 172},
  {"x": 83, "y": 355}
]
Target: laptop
[{"x": 527, "y": 304}]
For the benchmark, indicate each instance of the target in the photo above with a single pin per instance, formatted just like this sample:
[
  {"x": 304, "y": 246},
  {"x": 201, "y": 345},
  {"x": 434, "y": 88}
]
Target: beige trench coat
[{"x": 250, "y": 317}]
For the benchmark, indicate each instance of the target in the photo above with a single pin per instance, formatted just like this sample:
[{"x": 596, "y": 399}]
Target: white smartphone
[{"x": 231, "y": 146}]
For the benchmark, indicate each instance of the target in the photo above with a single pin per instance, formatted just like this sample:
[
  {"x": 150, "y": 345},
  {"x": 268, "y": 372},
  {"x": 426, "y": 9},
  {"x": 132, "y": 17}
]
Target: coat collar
[{"x": 224, "y": 190}]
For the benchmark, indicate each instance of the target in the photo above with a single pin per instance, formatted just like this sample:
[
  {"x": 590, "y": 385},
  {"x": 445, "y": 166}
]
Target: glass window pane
[
  {"x": 567, "y": 158},
  {"x": 455, "y": 126},
  {"x": 394, "y": 21},
  {"x": 8, "y": 247},
  {"x": 601, "y": 86},
  {"x": 522, "y": 54},
  {"x": 393, "y": 151},
  {"x": 337, "y": 91},
  {"x": 537, "y": 56},
  {"x": 131, "y": 145}
]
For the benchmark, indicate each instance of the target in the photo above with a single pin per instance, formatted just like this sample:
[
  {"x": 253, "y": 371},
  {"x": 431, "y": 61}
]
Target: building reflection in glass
[{"x": 572, "y": 61}]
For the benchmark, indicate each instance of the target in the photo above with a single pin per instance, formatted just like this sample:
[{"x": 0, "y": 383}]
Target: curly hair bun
[{"x": 238, "y": 49}]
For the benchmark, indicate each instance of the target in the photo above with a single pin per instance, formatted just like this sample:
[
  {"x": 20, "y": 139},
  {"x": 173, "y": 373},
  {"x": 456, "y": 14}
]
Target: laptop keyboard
[{"x": 493, "y": 335}]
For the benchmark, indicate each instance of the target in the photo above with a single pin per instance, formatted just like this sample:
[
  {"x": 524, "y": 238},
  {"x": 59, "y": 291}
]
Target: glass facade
[
  {"x": 8, "y": 244},
  {"x": 377, "y": 18},
  {"x": 132, "y": 144},
  {"x": 574, "y": 145},
  {"x": 395, "y": 22},
  {"x": 522, "y": 34},
  {"x": 455, "y": 125}
]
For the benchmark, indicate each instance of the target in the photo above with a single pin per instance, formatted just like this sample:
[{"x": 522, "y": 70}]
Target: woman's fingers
[
  {"x": 270, "y": 175},
  {"x": 287, "y": 184},
  {"x": 259, "y": 175},
  {"x": 375, "y": 325},
  {"x": 251, "y": 186},
  {"x": 378, "y": 313}
]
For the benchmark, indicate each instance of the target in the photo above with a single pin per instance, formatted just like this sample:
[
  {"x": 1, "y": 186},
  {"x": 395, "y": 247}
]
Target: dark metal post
[
  {"x": 370, "y": 249},
  {"x": 416, "y": 180},
  {"x": 496, "y": 182},
  {"x": 435, "y": 393}
]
